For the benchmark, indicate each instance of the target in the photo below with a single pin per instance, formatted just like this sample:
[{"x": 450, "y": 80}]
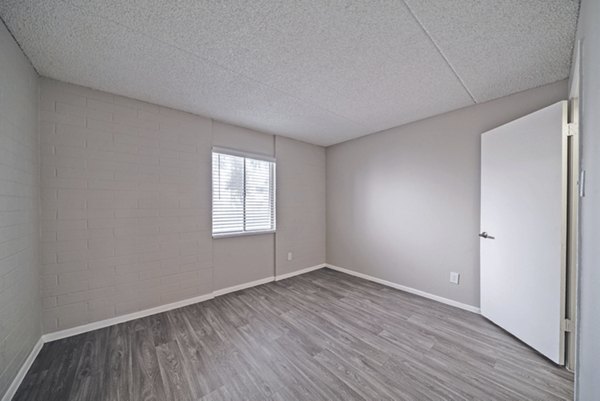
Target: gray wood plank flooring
[{"x": 320, "y": 336}]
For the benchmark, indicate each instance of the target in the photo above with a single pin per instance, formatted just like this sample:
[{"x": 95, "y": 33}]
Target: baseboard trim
[
  {"x": 14, "y": 386},
  {"x": 58, "y": 335},
  {"x": 410, "y": 290},
  {"x": 243, "y": 286},
  {"x": 299, "y": 272}
]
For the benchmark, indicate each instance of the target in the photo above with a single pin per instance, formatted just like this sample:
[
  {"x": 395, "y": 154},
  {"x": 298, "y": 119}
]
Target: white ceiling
[{"x": 322, "y": 71}]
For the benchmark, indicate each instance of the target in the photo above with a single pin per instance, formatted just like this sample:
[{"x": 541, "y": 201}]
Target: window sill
[{"x": 242, "y": 234}]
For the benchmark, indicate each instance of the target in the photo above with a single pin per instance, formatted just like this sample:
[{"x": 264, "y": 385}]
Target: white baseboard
[
  {"x": 423, "y": 294},
  {"x": 57, "y": 335},
  {"x": 14, "y": 386},
  {"x": 243, "y": 286},
  {"x": 298, "y": 272}
]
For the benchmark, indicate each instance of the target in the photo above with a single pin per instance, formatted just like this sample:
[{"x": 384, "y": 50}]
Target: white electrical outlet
[
  {"x": 290, "y": 256},
  {"x": 454, "y": 277}
]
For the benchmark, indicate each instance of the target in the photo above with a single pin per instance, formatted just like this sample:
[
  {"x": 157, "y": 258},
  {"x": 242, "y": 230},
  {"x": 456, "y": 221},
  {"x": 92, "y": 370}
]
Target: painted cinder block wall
[
  {"x": 126, "y": 204},
  {"x": 20, "y": 319}
]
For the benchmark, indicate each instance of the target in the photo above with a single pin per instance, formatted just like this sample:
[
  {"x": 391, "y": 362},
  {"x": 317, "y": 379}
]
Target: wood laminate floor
[{"x": 320, "y": 336}]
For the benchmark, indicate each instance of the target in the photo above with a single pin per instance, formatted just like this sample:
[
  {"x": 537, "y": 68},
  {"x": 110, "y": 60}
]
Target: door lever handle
[{"x": 486, "y": 235}]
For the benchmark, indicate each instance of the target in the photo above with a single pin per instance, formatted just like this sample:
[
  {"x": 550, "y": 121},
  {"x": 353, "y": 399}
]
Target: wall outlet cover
[
  {"x": 290, "y": 256},
  {"x": 454, "y": 277}
]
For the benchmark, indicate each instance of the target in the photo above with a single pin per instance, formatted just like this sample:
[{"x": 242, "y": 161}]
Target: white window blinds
[{"x": 243, "y": 193}]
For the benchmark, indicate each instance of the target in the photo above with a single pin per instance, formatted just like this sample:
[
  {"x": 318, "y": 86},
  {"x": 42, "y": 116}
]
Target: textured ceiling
[{"x": 322, "y": 71}]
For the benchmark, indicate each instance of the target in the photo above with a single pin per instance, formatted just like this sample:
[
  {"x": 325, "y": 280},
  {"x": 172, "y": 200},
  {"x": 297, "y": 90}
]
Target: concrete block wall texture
[
  {"x": 20, "y": 318},
  {"x": 126, "y": 203}
]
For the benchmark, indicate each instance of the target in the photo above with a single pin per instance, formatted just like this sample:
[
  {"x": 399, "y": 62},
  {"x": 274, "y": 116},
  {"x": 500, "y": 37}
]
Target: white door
[{"x": 523, "y": 228}]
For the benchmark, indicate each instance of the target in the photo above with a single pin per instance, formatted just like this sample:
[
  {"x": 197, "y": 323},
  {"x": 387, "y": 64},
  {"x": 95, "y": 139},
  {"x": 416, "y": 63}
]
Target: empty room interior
[{"x": 310, "y": 200}]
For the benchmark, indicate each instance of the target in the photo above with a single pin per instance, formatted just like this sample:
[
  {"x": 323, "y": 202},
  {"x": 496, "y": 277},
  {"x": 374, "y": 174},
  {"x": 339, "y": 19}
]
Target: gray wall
[
  {"x": 588, "y": 355},
  {"x": 403, "y": 204},
  {"x": 243, "y": 259},
  {"x": 126, "y": 203},
  {"x": 300, "y": 205},
  {"x": 19, "y": 194}
]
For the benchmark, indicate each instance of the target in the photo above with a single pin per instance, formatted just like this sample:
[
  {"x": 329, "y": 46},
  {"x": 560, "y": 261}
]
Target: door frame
[
  {"x": 566, "y": 224},
  {"x": 574, "y": 192}
]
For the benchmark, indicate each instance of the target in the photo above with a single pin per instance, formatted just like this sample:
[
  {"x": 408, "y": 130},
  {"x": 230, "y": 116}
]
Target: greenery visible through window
[{"x": 243, "y": 194}]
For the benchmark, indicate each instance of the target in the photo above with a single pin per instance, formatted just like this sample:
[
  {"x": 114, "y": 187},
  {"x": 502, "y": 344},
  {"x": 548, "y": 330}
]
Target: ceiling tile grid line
[
  {"x": 504, "y": 46},
  {"x": 387, "y": 111},
  {"x": 321, "y": 71},
  {"x": 462, "y": 82},
  {"x": 215, "y": 64}
]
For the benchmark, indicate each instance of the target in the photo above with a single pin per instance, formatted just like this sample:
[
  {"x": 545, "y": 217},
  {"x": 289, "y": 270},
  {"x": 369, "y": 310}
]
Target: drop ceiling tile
[
  {"x": 68, "y": 44},
  {"x": 355, "y": 60},
  {"x": 322, "y": 71},
  {"x": 503, "y": 46},
  {"x": 348, "y": 58}
]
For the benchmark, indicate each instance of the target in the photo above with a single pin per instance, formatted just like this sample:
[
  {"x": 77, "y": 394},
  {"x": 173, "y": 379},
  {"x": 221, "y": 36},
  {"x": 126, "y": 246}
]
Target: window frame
[{"x": 245, "y": 155}]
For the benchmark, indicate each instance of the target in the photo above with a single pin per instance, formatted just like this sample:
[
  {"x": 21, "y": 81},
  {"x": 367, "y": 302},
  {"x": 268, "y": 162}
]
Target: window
[{"x": 243, "y": 193}]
